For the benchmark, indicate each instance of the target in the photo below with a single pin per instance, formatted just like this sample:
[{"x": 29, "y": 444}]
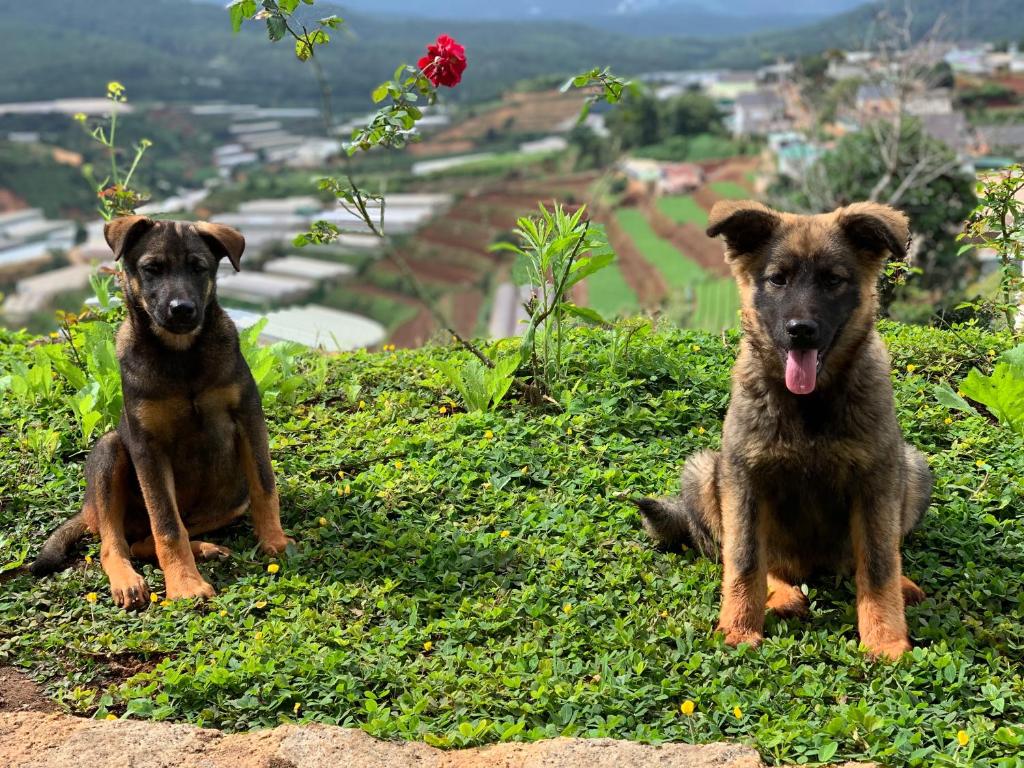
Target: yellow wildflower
[
  {"x": 687, "y": 707},
  {"x": 80, "y": 117},
  {"x": 322, "y": 521},
  {"x": 947, "y": 421},
  {"x": 297, "y": 706},
  {"x": 88, "y": 559},
  {"x": 664, "y": 614},
  {"x": 701, "y": 430},
  {"x": 442, "y": 410},
  {"x": 504, "y": 534},
  {"x": 399, "y": 465},
  {"x": 273, "y": 568},
  {"x": 737, "y": 712},
  {"x": 911, "y": 367},
  {"x": 260, "y": 604},
  {"x": 222, "y": 613},
  {"x": 91, "y": 597},
  {"x": 112, "y": 716},
  {"x": 526, "y": 470},
  {"x": 258, "y": 636},
  {"x": 962, "y": 738},
  {"x": 348, "y": 489},
  {"x": 991, "y": 353},
  {"x": 428, "y": 646},
  {"x": 114, "y": 88},
  {"x": 567, "y": 608},
  {"x": 153, "y": 597},
  {"x": 695, "y": 347},
  {"x": 488, "y": 435},
  {"x": 979, "y": 463},
  {"x": 165, "y": 603},
  {"x": 362, "y": 404}
]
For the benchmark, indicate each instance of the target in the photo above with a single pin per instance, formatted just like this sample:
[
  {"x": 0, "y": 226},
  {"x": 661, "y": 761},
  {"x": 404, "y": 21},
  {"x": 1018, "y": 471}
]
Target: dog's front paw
[
  {"x": 129, "y": 591},
  {"x": 276, "y": 545},
  {"x": 912, "y": 594},
  {"x": 183, "y": 588},
  {"x": 888, "y": 649},
  {"x": 736, "y": 635}
]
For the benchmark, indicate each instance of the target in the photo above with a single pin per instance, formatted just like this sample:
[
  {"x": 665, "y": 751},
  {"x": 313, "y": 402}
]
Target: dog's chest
[{"x": 202, "y": 418}]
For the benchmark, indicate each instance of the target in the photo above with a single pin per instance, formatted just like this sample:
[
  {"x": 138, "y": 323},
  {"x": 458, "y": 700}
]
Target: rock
[{"x": 46, "y": 740}]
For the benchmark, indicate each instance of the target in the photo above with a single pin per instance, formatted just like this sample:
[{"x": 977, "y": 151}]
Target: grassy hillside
[
  {"x": 175, "y": 50},
  {"x": 476, "y": 577}
]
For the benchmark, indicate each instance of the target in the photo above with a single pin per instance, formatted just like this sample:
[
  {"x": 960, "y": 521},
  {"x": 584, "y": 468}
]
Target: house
[
  {"x": 758, "y": 113},
  {"x": 851, "y": 65},
  {"x": 876, "y": 100},
  {"x": 938, "y": 101},
  {"x": 1008, "y": 137},
  {"x": 679, "y": 178},
  {"x": 951, "y": 129}
]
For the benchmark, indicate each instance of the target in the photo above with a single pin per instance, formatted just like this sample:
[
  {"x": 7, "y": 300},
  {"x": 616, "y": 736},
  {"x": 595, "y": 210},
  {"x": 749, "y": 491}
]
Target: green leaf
[
  {"x": 584, "y": 313},
  {"x": 827, "y": 751},
  {"x": 1002, "y": 393},
  {"x": 276, "y": 28},
  {"x": 380, "y": 92},
  {"x": 947, "y": 397},
  {"x": 287, "y": 6}
]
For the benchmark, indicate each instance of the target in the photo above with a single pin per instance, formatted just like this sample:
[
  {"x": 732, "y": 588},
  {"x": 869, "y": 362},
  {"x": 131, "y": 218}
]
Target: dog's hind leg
[
  {"x": 201, "y": 550},
  {"x": 786, "y": 600},
  {"x": 694, "y": 518},
  {"x": 107, "y": 472}
]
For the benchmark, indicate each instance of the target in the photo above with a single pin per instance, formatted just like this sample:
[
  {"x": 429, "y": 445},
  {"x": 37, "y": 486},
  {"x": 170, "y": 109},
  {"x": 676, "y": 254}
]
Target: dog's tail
[
  {"x": 692, "y": 519},
  {"x": 53, "y": 556}
]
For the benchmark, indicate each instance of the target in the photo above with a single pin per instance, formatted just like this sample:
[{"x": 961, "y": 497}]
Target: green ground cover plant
[{"x": 469, "y": 577}]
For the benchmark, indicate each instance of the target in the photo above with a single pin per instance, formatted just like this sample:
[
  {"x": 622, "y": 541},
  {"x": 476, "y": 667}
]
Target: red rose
[{"x": 444, "y": 63}]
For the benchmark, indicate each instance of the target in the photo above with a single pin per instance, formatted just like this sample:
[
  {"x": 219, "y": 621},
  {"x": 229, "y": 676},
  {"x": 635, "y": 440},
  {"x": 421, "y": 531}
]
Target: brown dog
[
  {"x": 190, "y": 453},
  {"x": 813, "y": 474}
]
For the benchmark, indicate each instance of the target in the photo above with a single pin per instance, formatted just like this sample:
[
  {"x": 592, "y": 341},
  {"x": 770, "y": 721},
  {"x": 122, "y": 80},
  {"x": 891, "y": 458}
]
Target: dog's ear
[
  {"x": 123, "y": 232},
  {"x": 746, "y": 224},
  {"x": 876, "y": 229},
  {"x": 223, "y": 241}
]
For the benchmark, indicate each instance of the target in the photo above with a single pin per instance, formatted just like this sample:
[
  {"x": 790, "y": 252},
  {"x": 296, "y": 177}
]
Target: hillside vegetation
[
  {"x": 176, "y": 50},
  {"x": 475, "y": 577}
]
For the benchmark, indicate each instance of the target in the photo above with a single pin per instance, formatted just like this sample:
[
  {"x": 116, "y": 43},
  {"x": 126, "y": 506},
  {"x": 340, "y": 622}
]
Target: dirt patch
[
  {"x": 19, "y": 693},
  {"x": 35, "y": 740}
]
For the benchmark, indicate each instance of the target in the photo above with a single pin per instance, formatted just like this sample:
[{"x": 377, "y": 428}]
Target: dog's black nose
[
  {"x": 802, "y": 330},
  {"x": 182, "y": 309}
]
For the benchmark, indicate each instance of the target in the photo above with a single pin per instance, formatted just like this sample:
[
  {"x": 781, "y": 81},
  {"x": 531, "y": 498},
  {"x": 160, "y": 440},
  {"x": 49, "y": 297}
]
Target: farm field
[
  {"x": 714, "y": 298},
  {"x": 730, "y": 190},
  {"x": 673, "y": 265},
  {"x": 682, "y": 209}
]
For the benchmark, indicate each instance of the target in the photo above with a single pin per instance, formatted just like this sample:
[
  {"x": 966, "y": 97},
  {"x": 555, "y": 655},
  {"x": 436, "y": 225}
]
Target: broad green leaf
[
  {"x": 584, "y": 313},
  {"x": 947, "y": 397},
  {"x": 276, "y": 28},
  {"x": 380, "y": 92}
]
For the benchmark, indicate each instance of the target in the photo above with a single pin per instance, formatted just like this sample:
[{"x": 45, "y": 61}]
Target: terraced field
[
  {"x": 682, "y": 209},
  {"x": 715, "y": 297},
  {"x": 610, "y": 294}
]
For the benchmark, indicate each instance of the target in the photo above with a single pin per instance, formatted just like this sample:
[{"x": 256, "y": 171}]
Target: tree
[
  {"x": 925, "y": 182},
  {"x": 635, "y": 122},
  {"x": 690, "y": 114}
]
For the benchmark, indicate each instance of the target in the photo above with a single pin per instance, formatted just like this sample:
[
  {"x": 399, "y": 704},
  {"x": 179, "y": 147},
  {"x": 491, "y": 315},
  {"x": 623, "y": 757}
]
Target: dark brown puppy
[
  {"x": 813, "y": 474},
  {"x": 190, "y": 452}
]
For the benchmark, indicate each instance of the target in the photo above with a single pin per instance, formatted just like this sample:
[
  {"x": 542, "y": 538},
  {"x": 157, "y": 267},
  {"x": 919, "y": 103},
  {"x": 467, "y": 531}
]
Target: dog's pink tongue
[{"x": 801, "y": 370}]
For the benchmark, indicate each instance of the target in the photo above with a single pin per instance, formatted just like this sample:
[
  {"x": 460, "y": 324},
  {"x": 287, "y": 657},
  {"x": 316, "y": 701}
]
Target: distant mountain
[
  {"x": 641, "y": 18},
  {"x": 175, "y": 50}
]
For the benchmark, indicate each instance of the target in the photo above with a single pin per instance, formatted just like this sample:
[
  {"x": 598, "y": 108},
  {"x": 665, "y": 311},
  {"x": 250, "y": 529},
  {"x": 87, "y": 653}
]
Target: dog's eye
[
  {"x": 777, "y": 279},
  {"x": 198, "y": 267},
  {"x": 153, "y": 268},
  {"x": 832, "y": 281}
]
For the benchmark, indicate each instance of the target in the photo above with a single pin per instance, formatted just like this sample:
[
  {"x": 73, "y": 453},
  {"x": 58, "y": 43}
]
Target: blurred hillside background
[{"x": 804, "y": 104}]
